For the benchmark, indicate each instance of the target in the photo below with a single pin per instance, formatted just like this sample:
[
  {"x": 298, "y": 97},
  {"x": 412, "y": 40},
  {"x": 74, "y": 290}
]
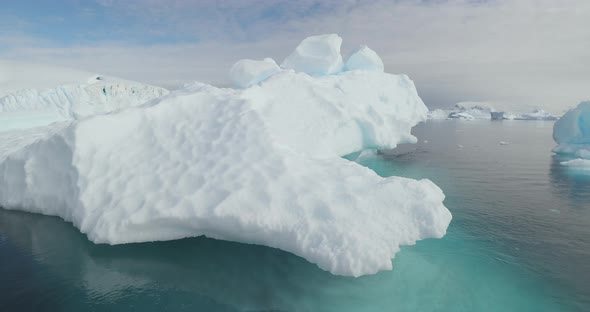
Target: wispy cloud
[{"x": 526, "y": 52}]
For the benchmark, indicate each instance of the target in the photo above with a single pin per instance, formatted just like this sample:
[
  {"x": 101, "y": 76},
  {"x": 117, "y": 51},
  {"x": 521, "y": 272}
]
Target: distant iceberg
[
  {"x": 483, "y": 111},
  {"x": 438, "y": 114},
  {"x": 35, "y": 101},
  {"x": 538, "y": 114},
  {"x": 246, "y": 73},
  {"x": 572, "y": 134},
  {"x": 259, "y": 165},
  {"x": 460, "y": 115}
]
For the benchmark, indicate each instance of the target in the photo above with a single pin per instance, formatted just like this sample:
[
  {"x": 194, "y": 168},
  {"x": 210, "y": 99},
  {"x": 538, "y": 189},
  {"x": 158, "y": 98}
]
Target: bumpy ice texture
[
  {"x": 316, "y": 55},
  {"x": 572, "y": 134},
  {"x": 246, "y": 73},
  {"x": 260, "y": 165},
  {"x": 364, "y": 59}
]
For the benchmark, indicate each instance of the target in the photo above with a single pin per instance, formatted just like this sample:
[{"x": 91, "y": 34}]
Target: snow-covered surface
[
  {"x": 260, "y": 165},
  {"x": 246, "y": 73},
  {"x": 316, "y": 55},
  {"x": 36, "y": 102},
  {"x": 572, "y": 134},
  {"x": 364, "y": 59}
]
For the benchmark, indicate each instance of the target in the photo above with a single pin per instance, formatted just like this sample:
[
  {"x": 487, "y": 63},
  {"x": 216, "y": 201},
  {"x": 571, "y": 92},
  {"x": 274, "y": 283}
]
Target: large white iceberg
[
  {"x": 572, "y": 134},
  {"x": 260, "y": 165},
  {"x": 316, "y": 55}
]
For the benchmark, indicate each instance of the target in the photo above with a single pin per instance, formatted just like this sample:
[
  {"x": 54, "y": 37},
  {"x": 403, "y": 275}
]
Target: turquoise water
[{"x": 519, "y": 241}]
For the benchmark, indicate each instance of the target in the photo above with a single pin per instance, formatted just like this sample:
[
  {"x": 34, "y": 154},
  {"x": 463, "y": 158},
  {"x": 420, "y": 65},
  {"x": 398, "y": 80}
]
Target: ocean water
[{"x": 519, "y": 241}]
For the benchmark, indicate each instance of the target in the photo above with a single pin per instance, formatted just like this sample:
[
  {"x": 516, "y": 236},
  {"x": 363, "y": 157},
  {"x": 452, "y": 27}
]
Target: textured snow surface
[
  {"x": 316, "y": 55},
  {"x": 572, "y": 134},
  {"x": 246, "y": 73},
  {"x": 364, "y": 59},
  {"x": 260, "y": 165}
]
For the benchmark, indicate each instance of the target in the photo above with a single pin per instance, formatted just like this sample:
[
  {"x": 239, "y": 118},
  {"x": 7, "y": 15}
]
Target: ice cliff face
[
  {"x": 258, "y": 165},
  {"x": 572, "y": 134}
]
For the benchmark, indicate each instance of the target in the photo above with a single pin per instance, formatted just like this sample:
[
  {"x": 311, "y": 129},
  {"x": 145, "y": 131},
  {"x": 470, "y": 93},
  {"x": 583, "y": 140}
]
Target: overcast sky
[{"x": 522, "y": 53}]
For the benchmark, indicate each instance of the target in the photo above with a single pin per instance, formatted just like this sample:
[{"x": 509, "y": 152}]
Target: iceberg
[
  {"x": 578, "y": 164},
  {"x": 538, "y": 114},
  {"x": 365, "y": 59},
  {"x": 460, "y": 115},
  {"x": 94, "y": 94},
  {"x": 485, "y": 111},
  {"x": 316, "y": 55},
  {"x": 259, "y": 165},
  {"x": 572, "y": 134},
  {"x": 438, "y": 114},
  {"x": 497, "y": 115},
  {"x": 246, "y": 73}
]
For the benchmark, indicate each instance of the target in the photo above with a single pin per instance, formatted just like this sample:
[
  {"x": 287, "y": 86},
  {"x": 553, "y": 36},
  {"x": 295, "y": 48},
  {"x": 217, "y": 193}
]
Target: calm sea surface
[{"x": 519, "y": 241}]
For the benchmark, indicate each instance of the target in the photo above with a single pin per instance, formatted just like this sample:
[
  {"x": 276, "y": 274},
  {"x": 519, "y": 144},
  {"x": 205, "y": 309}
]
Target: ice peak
[
  {"x": 316, "y": 55},
  {"x": 364, "y": 59}
]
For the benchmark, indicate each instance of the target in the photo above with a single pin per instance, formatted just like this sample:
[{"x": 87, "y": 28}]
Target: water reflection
[
  {"x": 203, "y": 274},
  {"x": 570, "y": 184},
  {"x": 235, "y": 274}
]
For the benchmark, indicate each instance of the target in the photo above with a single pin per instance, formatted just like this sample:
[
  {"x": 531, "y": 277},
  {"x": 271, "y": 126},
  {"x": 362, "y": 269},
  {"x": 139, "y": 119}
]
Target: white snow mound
[
  {"x": 316, "y": 55},
  {"x": 260, "y": 165},
  {"x": 364, "y": 59},
  {"x": 246, "y": 73}
]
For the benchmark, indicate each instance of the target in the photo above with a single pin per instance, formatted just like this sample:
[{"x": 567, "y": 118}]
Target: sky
[{"x": 517, "y": 53}]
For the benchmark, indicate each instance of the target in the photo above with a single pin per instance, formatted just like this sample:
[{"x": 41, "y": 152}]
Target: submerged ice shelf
[{"x": 257, "y": 165}]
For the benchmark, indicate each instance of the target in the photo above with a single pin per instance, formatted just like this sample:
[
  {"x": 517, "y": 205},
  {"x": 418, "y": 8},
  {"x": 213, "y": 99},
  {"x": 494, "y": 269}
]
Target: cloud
[{"x": 527, "y": 53}]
